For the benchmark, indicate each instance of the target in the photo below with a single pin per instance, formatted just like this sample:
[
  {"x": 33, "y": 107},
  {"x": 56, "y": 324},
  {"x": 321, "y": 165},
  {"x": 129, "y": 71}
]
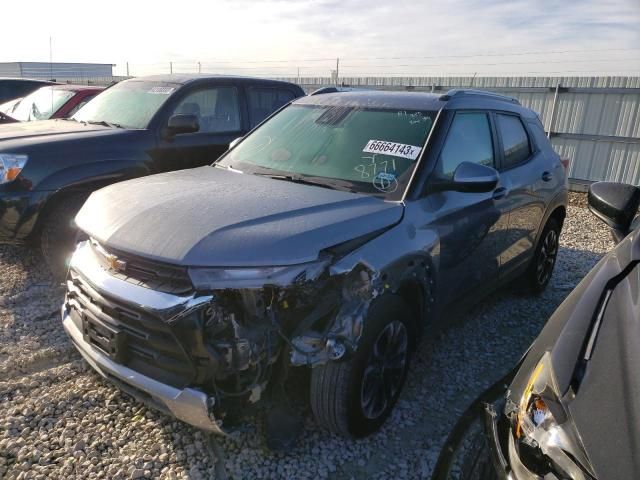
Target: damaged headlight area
[
  {"x": 257, "y": 315},
  {"x": 544, "y": 439},
  {"x": 225, "y": 278}
]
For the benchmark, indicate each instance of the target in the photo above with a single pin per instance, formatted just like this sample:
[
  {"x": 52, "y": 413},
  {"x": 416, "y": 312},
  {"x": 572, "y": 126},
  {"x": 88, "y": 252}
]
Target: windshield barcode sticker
[
  {"x": 392, "y": 148},
  {"x": 162, "y": 90}
]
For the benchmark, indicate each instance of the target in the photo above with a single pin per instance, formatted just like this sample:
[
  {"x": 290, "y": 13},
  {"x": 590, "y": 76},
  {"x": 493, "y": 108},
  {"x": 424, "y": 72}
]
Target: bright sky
[{"x": 371, "y": 37}]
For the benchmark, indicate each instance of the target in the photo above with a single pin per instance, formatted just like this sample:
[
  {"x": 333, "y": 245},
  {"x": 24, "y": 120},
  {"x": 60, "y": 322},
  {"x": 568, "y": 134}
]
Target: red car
[{"x": 55, "y": 101}]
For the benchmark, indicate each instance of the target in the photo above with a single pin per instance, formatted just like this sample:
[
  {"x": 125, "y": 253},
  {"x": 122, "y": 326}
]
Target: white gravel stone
[{"x": 61, "y": 420}]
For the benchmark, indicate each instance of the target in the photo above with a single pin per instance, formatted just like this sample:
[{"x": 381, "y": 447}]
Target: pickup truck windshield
[
  {"x": 41, "y": 104},
  {"x": 129, "y": 104},
  {"x": 360, "y": 149}
]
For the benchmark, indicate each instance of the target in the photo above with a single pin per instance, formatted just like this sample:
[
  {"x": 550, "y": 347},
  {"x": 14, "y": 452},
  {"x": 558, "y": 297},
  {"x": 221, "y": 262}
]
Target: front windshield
[
  {"x": 41, "y": 104},
  {"x": 130, "y": 104},
  {"x": 361, "y": 149}
]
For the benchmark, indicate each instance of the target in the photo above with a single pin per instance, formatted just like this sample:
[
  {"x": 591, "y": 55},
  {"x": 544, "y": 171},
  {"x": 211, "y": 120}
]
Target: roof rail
[
  {"x": 322, "y": 90},
  {"x": 342, "y": 88},
  {"x": 463, "y": 92}
]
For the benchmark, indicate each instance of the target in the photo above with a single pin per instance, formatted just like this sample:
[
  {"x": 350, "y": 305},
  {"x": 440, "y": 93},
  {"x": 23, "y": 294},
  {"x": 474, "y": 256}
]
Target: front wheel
[
  {"x": 353, "y": 398},
  {"x": 59, "y": 234},
  {"x": 544, "y": 258}
]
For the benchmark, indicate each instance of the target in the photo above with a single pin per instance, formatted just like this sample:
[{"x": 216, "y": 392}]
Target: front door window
[{"x": 216, "y": 109}]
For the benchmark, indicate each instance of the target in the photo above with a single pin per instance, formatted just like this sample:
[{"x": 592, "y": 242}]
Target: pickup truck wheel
[
  {"x": 544, "y": 259},
  {"x": 354, "y": 397},
  {"x": 59, "y": 234}
]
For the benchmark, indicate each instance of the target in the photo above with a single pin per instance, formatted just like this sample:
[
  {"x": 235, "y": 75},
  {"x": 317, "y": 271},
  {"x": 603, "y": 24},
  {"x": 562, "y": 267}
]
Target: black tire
[
  {"x": 337, "y": 388},
  {"x": 477, "y": 464},
  {"x": 59, "y": 235},
  {"x": 544, "y": 258}
]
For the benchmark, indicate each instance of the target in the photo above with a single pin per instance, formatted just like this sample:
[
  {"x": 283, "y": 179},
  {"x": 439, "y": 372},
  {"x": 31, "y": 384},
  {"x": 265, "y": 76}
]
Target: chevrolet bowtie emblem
[{"x": 116, "y": 264}]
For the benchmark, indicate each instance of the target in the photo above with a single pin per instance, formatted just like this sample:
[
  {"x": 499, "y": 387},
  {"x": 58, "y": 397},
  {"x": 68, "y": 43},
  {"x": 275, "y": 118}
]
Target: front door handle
[
  {"x": 499, "y": 193},
  {"x": 547, "y": 176}
]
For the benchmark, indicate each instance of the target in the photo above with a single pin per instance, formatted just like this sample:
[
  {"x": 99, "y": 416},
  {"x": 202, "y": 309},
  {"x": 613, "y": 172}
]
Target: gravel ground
[{"x": 58, "y": 419}]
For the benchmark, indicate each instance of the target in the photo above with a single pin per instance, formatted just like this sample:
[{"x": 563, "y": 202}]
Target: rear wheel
[
  {"x": 544, "y": 259},
  {"x": 353, "y": 398},
  {"x": 59, "y": 235}
]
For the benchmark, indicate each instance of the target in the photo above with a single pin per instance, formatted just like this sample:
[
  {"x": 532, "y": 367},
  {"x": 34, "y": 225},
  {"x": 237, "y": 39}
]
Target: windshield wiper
[
  {"x": 305, "y": 180},
  {"x": 104, "y": 123}
]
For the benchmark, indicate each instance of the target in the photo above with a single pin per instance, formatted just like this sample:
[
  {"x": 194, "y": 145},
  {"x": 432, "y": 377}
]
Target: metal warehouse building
[{"x": 61, "y": 72}]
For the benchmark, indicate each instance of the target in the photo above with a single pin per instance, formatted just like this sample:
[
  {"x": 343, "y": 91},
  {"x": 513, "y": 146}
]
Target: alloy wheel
[
  {"x": 547, "y": 257},
  {"x": 385, "y": 369}
]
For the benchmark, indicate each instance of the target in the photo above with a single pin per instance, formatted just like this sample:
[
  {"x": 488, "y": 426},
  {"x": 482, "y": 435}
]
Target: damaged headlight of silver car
[
  {"x": 545, "y": 439},
  {"x": 255, "y": 277}
]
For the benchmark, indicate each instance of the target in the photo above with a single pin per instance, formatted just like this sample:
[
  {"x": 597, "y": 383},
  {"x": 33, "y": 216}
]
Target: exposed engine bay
[{"x": 246, "y": 332}]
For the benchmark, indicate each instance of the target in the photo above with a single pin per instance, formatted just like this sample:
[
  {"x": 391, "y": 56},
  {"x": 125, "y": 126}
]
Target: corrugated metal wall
[
  {"x": 62, "y": 72},
  {"x": 596, "y": 120},
  {"x": 9, "y": 69}
]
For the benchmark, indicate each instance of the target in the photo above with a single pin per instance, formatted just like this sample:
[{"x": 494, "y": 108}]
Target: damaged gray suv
[{"x": 330, "y": 238}]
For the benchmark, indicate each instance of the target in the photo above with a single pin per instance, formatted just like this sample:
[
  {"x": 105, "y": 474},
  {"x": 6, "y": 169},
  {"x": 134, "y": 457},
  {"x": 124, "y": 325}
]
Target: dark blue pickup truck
[{"x": 138, "y": 127}]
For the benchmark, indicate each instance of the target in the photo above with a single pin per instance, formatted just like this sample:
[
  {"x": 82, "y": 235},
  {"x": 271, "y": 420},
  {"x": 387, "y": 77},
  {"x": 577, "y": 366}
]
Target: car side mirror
[
  {"x": 182, "y": 123},
  {"x": 235, "y": 142},
  {"x": 616, "y": 204},
  {"x": 473, "y": 177}
]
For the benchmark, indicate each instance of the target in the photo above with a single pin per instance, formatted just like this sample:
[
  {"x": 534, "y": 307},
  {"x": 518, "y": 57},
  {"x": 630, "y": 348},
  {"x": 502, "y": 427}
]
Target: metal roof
[
  {"x": 453, "y": 99},
  {"x": 377, "y": 99},
  {"x": 184, "y": 78},
  {"x": 75, "y": 88},
  {"x": 57, "y": 70}
]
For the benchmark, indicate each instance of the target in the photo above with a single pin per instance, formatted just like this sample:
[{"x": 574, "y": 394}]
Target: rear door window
[
  {"x": 515, "y": 141},
  {"x": 468, "y": 140},
  {"x": 264, "y": 101}
]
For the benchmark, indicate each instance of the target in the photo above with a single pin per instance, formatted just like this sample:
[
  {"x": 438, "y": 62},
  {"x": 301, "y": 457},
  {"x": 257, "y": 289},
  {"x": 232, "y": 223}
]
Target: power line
[
  {"x": 607, "y": 60},
  {"x": 493, "y": 74},
  {"x": 493, "y": 64},
  {"x": 541, "y": 52},
  {"x": 302, "y": 60}
]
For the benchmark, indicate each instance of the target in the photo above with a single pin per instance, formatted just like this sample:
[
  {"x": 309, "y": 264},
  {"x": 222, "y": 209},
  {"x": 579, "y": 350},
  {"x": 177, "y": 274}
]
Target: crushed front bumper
[{"x": 189, "y": 405}]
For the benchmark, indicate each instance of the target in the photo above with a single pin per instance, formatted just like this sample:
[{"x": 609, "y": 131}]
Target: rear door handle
[
  {"x": 547, "y": 176},
  {"x": 499, "y": 193}
]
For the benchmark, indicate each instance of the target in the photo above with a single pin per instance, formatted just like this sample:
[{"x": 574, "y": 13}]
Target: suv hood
[
  {"x": 44, "y": 128},
  {"x": 213, "y": 217}
]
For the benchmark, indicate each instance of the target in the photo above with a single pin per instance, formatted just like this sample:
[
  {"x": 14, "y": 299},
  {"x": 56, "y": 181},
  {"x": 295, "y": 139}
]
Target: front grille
[
  {"x": 143, "y": 272},
  {"x": 129, "y": 335}
]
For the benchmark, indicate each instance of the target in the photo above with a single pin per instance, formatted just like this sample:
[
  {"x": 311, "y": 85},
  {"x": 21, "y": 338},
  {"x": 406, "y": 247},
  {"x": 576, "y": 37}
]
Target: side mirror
[
  {"x": 182, "y": 123},
  {"x": 473, "y": 177},
  {"x": 235, "y": 142},
  {"x": 616, "y": 204}
]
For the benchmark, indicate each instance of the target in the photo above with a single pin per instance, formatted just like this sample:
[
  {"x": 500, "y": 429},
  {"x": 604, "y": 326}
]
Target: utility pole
[
  {"x": 199, "y": 67},
  {"x": 337, "y": 71},
  {"x": 298, "y": 74},
  {"x": 170, "y": 67},
  {"x": 553, "y": 109},
  {"x": 127, "y": 69},
  {"x": 50, "y": 58}
]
